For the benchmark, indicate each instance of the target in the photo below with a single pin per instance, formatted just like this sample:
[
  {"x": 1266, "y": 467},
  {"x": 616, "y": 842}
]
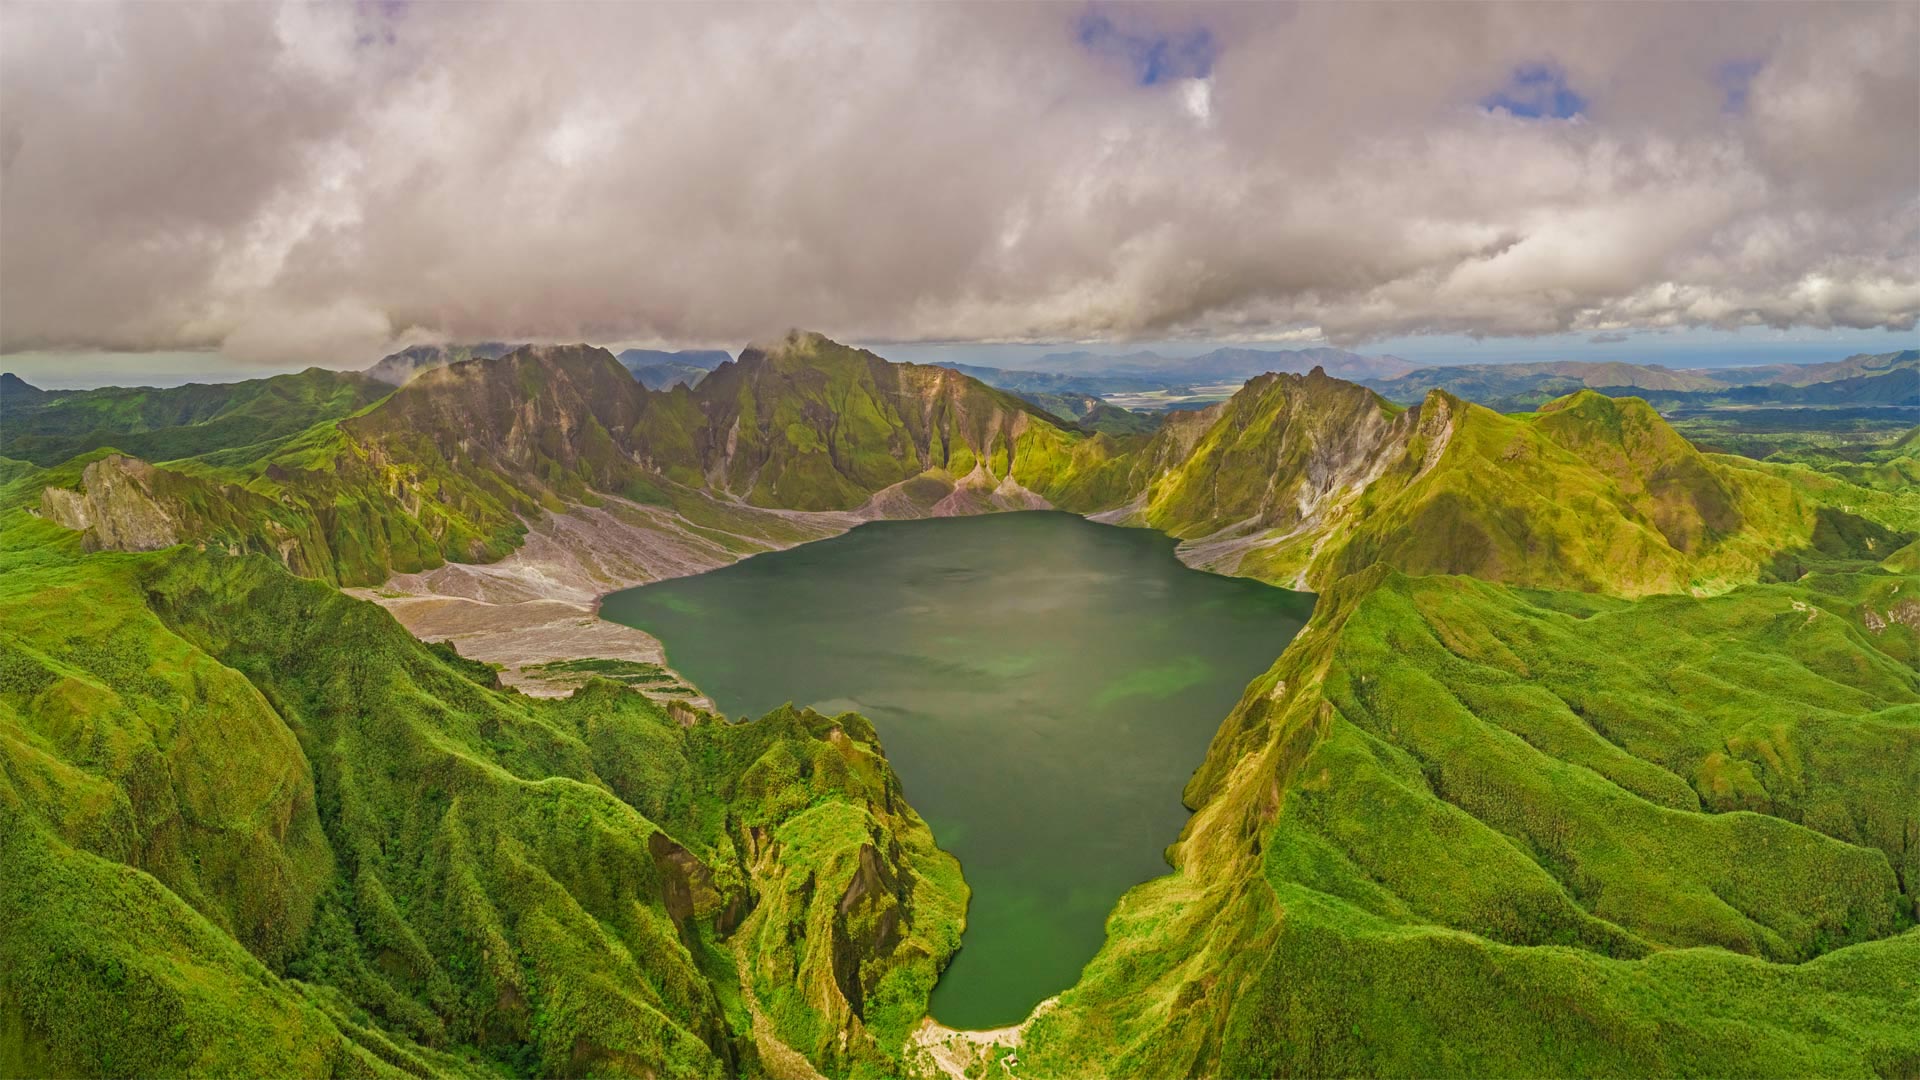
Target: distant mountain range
[
  {"x": 699, "y": 359},
  {"x": 1869, "y": 378},
  {"x": 659, "y": 369},
  {"x": 1089, "y": 413},
  {"x": 1146, "y": 372},
  {"x": 160, "y": 424},
  {"x": 1226, "y": 365}
]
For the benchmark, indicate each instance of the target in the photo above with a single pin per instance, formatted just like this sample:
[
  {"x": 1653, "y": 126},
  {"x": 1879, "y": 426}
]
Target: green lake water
[{"x": 1043, "y": 685}]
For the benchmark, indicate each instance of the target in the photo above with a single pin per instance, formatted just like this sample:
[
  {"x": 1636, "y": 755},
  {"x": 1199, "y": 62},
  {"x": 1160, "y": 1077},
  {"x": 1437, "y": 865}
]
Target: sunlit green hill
[
  {"x": 1465, "y": 830},
  {"x": 254, "y": 827}
]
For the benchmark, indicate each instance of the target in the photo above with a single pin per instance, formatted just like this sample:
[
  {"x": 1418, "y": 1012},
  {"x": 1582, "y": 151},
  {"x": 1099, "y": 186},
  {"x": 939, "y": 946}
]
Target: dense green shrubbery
[
  {"x": 415, "y": 863},
  {"x": 1461, "y": 829}
]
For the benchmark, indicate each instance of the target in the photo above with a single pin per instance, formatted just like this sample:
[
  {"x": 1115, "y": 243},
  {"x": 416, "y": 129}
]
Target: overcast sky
[{"x": 299, "y": 184}]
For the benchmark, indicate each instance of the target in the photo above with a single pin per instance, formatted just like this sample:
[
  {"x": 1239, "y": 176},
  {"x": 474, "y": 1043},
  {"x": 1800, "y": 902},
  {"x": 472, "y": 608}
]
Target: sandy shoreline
[
  {"x": 953, "y": 1052},
  {"x": 542, "y": 602}
]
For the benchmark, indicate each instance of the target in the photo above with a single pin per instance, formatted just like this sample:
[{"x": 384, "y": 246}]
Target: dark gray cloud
[{"x": 325, "y": 182}]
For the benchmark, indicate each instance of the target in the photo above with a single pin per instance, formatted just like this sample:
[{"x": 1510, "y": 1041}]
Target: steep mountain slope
[
  {"x": 445, "y": 469},
  {"x": 1307, "y": 479},
  {"x": 809, "y": 424},
  {"x": 452, "y": 466},
  {"x": 48, "y": 427},
  {"x": 254, "y": 826},
  {"x": 1460, "y": 829},
  {"x": 1295, "y": 479},
  {"x": 1282, "y": 454},
  {"x": 546, "y": 421}
]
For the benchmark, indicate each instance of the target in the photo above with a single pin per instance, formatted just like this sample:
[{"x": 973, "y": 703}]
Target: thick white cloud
[{"x": 317, "y": 183}]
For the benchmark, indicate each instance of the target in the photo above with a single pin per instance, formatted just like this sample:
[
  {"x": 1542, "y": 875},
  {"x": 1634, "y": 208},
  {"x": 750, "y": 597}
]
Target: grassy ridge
[
  {"x": 1303, "y": 480},
  {"x": 450, "y": 466},
  {"x": 1461, "y": 829},
  {"x": 49, "y": 427},
  {"x": 323, "y": 847},
  {"x": 1295, "y": 479}
]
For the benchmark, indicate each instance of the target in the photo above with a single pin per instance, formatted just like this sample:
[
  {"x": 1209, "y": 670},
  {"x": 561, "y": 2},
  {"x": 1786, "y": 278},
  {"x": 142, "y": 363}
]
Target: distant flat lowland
[{"x": 1043, "y": 685}]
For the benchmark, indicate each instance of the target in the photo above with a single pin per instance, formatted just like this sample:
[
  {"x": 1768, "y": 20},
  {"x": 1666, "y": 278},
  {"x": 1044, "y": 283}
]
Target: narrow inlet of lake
[{"x": 1043, "y": 685}]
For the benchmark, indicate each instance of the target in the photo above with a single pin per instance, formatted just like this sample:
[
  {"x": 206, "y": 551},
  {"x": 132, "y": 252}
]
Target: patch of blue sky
[
  {"x": 1537, "y": 92},
  {"x": 1734, "y": 78},
  {"x": 1153, "y": 56}
]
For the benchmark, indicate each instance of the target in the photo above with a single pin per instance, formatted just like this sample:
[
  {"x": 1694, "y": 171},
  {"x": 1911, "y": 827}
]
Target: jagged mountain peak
[
  {"x": 806, "y": 422},
  {"x": 397, "y": 369},
  {"x": 528, "y": 372},
  {"x": 802, "y": 348}
]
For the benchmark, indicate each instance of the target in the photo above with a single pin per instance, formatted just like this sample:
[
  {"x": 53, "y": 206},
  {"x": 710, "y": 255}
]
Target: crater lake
[{"x": 1043, "y": 685}]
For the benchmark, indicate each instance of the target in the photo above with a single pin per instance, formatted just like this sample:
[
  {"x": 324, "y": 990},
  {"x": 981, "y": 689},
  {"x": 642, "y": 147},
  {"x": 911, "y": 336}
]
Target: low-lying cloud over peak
[{"x": 321, "y": 182}]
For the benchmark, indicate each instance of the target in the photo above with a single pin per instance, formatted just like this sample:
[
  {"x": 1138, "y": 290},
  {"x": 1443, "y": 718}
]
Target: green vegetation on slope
[
  {"x": 253, "y": 827},
  {"x": 1309, "y": 479},
  {"x": 445, "y": 469},
  {"x": 450, "y": 466},
  {"x": 1672, "y": 834},
  {"x": 813, "y": 425},
  {"x": 1461, "y": 829},
  {"x": 48, "y": 427}
]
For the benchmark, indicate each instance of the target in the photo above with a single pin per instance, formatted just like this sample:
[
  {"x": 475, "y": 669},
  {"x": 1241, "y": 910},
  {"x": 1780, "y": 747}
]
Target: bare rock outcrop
[{"x": 116, "y": 509}]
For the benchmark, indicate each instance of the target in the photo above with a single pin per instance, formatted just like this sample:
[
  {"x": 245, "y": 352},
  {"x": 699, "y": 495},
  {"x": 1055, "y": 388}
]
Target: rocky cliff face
[
  {"x": 1302, "y": 479},
  {"x": 1279, "y": 463},
  {"x": 115, "y": 509},
  {"x": 125, "y": 504},
  {"x": 809, "y": 424},
  {"x": 549, "y": 419}
]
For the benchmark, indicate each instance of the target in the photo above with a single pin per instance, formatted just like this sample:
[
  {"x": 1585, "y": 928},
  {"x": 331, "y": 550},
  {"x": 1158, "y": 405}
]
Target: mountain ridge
[
  {"x": 1436, "y": 786},
  {"x": 397, "y": 369},
  {"x": 1518, "y": 384},
  {"x": 1253, "y": 485}
]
